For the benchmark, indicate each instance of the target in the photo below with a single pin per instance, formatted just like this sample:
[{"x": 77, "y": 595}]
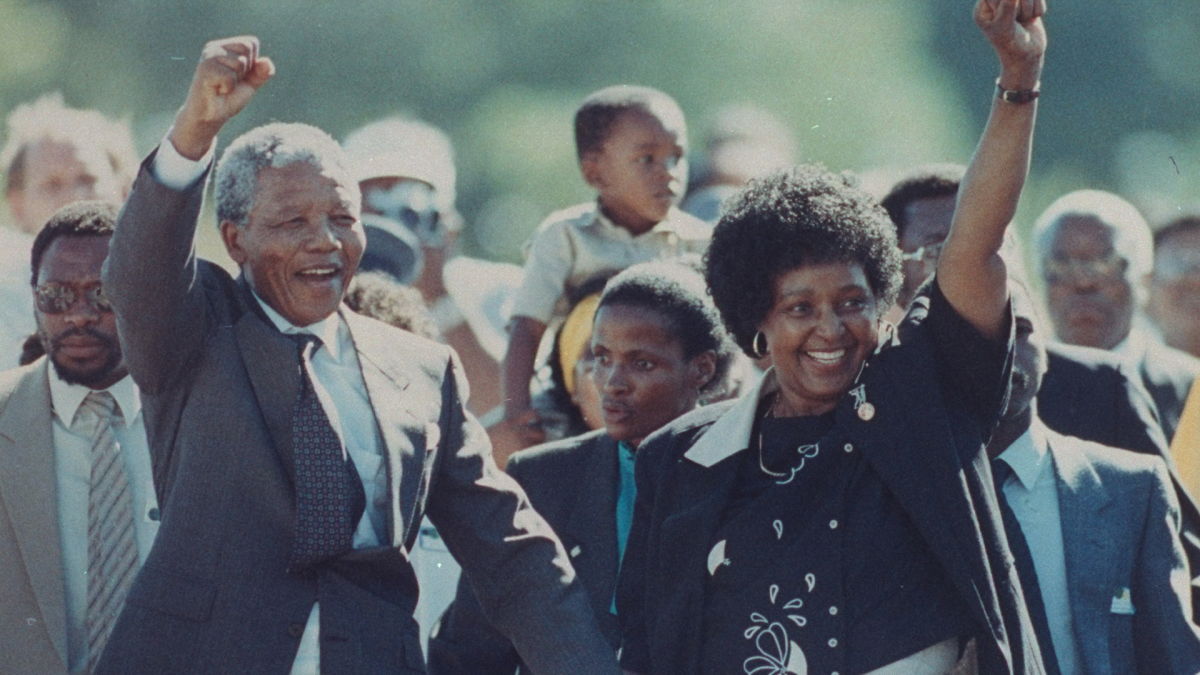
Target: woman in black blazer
[
  {"x": 659, "y": 349},
  {"x": 841, "y": 517}
]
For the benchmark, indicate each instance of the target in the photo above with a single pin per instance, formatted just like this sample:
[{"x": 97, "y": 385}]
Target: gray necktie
[{"x": 112, "y": 546}]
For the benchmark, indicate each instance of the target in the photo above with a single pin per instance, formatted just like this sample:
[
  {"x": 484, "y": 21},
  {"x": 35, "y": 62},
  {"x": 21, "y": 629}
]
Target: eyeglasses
[
  {"x": 54, "y": 298},
  {"x": 1065, "y": 270},
  {"x": 928, "y": 253}
]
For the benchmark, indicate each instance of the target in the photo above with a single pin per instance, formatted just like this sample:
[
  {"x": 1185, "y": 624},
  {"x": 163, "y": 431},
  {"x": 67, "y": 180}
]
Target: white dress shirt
[
  {"x": 1032, "y": 492},
  {"x": 339, "y": 385},
  {"x": 73, "y": 471}
]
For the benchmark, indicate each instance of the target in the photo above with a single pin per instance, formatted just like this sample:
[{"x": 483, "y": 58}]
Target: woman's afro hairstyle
[{"x": 802, "y": 216}]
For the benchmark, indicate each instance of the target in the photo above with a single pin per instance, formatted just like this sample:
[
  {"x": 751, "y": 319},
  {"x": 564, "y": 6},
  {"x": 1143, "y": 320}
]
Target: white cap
[{"x": 404, "y": 148}]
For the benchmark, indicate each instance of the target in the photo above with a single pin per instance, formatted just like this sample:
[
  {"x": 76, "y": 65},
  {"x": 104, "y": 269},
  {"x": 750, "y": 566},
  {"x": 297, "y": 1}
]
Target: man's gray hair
[
  {"x": 1131, "y": 234},
  {"x": 275, "y": 146}
]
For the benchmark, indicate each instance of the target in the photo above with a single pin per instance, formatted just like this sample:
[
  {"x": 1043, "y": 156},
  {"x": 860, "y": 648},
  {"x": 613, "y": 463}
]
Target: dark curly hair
[
  {"x": 803, "y": 216},
  {"x": 675, "y": 291}
]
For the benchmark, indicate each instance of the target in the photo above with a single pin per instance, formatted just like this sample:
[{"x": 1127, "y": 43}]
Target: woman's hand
[{"x": 1015, "y": 30}]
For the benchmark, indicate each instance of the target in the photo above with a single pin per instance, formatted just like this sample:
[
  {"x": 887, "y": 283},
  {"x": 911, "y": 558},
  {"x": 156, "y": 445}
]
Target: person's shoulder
[
  {"x": 687, "y": 226},
  {"x": 16, "y": 381},
  {"x": 1167, "y": 363},
  {"x": 1086, "y": 357},
  {"x": 578, "y": 216},
  {"x": 1111, "y": 464},
  {"x": 380, "y": 341},
  {"x": 556, "y": 455},
  {"x": 674, "y": 439}
]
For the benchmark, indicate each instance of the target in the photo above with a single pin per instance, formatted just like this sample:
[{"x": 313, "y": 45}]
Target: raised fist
[
  {"x": 1015, "y": 30},
  {"x": 229, "y": 73}
]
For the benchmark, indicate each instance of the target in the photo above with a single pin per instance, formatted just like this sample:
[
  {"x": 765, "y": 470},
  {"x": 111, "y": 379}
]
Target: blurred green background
[{"x": 868, "y": 85}]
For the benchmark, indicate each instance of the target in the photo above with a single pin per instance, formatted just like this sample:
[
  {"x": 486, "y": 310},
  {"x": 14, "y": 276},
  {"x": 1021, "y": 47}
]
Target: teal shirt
[{"x": 626, "y": 493}]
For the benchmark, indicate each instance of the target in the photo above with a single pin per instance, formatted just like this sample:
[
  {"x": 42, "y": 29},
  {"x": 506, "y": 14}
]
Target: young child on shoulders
[{"x": 631, "y": 143}]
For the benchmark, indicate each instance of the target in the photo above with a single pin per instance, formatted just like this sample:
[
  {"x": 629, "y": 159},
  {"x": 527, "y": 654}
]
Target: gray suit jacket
[
  {"x": 1120, "y": 523},
  {"x": 219, "y": 383},
  {"x": 33, "y": 607}
]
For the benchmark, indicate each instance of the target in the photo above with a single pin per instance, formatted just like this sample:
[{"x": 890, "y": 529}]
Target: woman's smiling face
[{"x": 822, "y": 326}]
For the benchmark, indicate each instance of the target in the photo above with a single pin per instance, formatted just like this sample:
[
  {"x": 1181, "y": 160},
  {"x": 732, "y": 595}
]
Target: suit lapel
[
  {"x": 386, "y": 382},
  {"x": 1088, "y": 552},
  {"x": 29, "y": 488},
  {"x": 593, "y": 522},
  {"x": 271, "y": 360},
  {"x": 701, "y": 494}
]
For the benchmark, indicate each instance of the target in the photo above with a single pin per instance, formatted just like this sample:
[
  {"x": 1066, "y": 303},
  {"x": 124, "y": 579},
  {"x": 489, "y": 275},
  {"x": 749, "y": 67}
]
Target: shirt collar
[
  {"x": 1028, "y": 455},
  {"x": 730, "y": 434},
  {"x": 66, "y": 398},
  {"x": 668, "y": 225},
  {"x": 329, "y": 329}
]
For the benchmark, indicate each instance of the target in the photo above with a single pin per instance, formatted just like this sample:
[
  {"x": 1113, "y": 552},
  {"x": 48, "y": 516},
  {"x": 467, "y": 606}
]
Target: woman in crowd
[
  {"x": 840, "y": 517},
  {"x": 659, "y": 350}
]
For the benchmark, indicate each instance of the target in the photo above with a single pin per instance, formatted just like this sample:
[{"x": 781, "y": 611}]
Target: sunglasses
[
  {"x": 1057, "y": 270},
  {"x": 53, "y": 298}
]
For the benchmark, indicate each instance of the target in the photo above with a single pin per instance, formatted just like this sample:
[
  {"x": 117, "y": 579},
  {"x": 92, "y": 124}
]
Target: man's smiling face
[{"x": 302, "y": 241}]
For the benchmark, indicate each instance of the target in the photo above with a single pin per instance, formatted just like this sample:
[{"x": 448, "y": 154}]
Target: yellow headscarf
[{"x": 573, "y": 338}]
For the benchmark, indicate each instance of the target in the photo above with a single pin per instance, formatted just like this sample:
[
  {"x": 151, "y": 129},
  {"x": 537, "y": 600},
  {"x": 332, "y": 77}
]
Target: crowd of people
[{"x": 774, "y": 425}]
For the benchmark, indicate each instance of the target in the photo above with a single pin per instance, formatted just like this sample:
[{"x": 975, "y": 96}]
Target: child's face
[{"x": 640, "y": 172}]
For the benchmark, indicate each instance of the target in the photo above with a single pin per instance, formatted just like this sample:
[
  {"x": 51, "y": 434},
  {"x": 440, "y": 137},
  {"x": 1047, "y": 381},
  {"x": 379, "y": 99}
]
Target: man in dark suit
[
  {"x": 659, "y": 346},
  {"x": 1095, "y": 252},
  {"x": 1095, "y": 534},
  {"x": 296, "y": 446}
]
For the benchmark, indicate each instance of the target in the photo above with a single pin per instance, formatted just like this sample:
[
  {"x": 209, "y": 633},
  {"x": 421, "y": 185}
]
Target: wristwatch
[{"x": 1017, "y": 96}]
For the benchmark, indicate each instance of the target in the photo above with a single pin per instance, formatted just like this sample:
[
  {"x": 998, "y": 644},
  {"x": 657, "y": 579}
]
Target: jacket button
[{"x": 296, "y": 630}]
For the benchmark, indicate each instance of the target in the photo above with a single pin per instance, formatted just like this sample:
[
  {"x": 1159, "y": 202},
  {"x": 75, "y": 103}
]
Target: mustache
[{"x": 57, "y": 340}]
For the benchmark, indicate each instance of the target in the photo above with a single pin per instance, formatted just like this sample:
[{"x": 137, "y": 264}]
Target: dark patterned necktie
[
  {"x": 329, "y": 494},
  {"x": 1025, "y": 568}
]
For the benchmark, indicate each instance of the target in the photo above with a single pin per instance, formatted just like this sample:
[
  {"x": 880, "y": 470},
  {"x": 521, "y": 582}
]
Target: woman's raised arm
[{"x": 970, "y": 271}]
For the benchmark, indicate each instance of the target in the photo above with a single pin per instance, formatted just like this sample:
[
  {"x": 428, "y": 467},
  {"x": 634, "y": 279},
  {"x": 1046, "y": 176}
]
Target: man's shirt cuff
[{"x": 175, "y": 171}]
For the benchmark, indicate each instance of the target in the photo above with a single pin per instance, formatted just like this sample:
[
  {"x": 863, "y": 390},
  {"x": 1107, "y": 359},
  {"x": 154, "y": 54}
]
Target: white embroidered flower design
[{"x": 777, "y": 653}]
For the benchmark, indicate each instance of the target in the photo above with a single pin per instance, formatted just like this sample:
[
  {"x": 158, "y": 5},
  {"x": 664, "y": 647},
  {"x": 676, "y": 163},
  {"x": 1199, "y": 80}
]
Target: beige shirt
[{"x": 577, "y": 244}]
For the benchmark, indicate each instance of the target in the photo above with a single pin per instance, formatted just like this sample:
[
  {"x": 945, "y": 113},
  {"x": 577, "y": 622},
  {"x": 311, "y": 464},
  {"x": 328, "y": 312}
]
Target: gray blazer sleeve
[
  {"x": 516, "y": 565},
  {"x": 151, "y": 277},
  {"x": 1166, "y": 640}
]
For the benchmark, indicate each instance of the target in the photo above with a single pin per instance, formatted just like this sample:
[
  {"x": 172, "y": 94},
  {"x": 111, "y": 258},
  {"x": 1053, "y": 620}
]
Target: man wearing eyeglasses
[
  {"x": 1096, "y": 254},
  {"x": 78, "y": 511}
]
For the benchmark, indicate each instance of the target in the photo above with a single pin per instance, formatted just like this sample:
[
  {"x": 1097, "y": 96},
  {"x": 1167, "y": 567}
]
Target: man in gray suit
[
  {"x": 1095, "y": 534},
  {"x": 296, "y": 445},
  {"x": 77, "y": 509}
]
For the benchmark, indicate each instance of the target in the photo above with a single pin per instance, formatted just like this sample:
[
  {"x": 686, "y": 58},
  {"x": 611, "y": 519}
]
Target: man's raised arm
[{"x": 151, "y": 270}]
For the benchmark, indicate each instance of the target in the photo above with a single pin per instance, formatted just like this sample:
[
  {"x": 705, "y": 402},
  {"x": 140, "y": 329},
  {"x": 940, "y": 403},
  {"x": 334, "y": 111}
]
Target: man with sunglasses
[
  {"x": 78, "y": 511},
  {"x": 1096, "y": 253}
]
